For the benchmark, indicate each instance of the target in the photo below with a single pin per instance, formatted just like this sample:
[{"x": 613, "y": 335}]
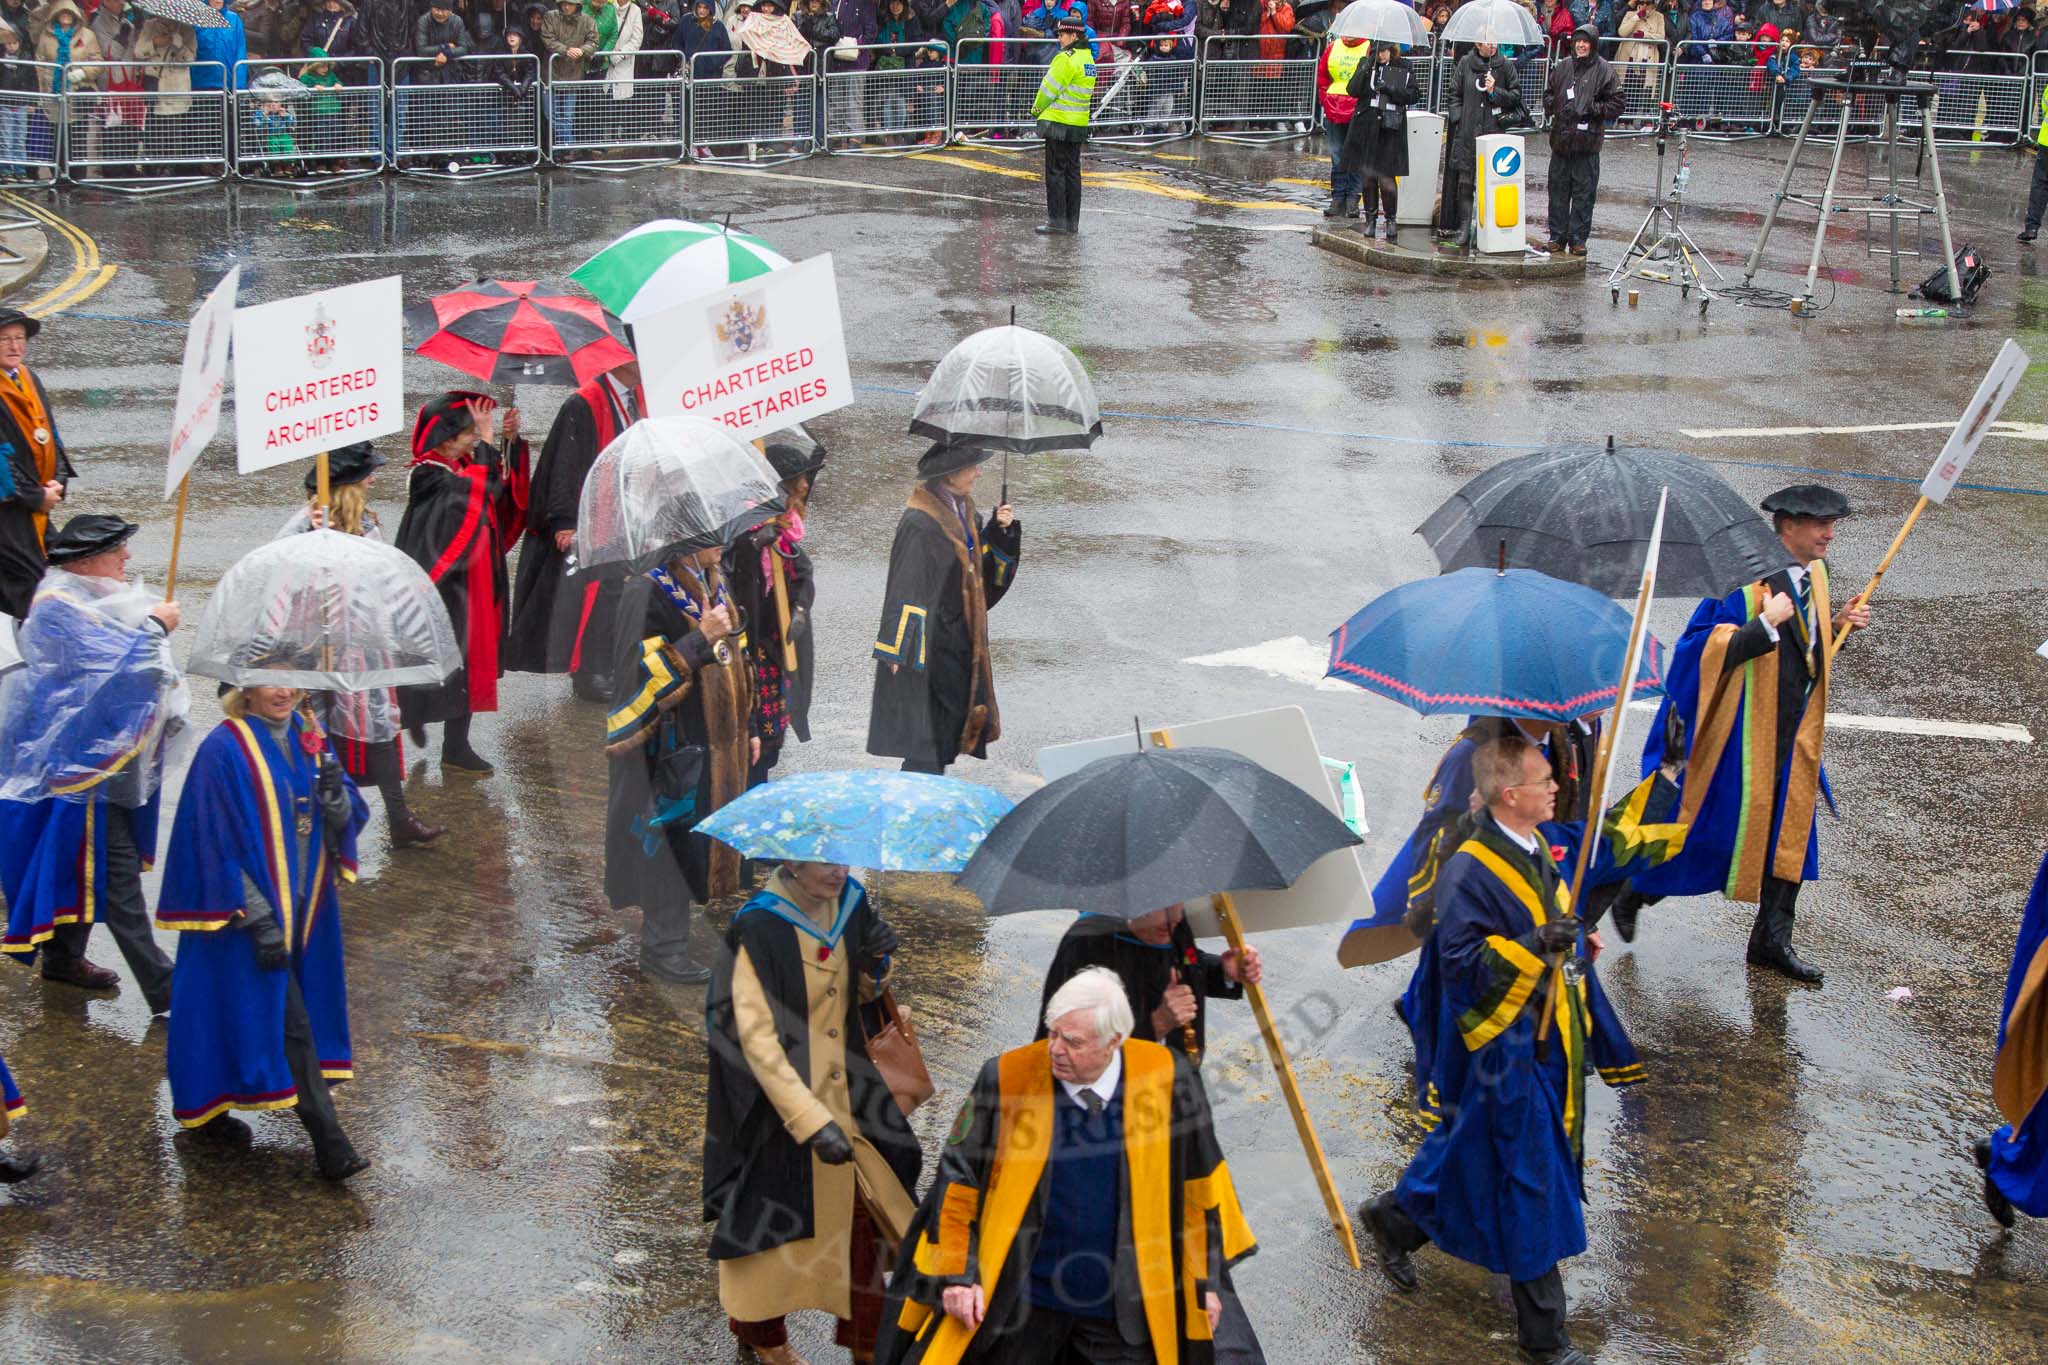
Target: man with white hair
[{"x": 1102, "y": 1230}]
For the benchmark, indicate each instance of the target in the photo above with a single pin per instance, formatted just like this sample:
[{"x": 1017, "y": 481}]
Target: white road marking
[
  {"x": 1297, "y": 660},
  {"x": 1291, "y": 659},
  {"x": 2018, "y": 431},
  {"x": 582, "y": 1148}
]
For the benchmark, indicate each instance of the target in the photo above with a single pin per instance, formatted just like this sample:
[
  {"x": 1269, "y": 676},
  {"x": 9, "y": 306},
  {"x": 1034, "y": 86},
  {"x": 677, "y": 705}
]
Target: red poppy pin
[
  {"x": 1191, "y": 957},
  {"x": 1557, "y": 852},
  {"x": 312, "y": 741}
]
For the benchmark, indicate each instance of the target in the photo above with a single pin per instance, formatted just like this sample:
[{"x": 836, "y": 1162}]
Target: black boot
[
  {"x": 339, "y": 1163},
  {"x": 1392, "y": 199},
  {"x": 222, "y": 1130},
  {"x": 1369, "y": 204},
  {"x": 1397, "y": 1265},
  {"x": 407, "y": 830},
  {"x": 1770, "y": 944},
  {"x": 1994, "y": 1198},
  {"x": 456, "y": 755},
  {"x": 15, "y": 1170}
]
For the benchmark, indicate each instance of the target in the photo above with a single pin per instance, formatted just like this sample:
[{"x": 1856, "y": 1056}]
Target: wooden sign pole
[{"x": 177, "y": 539}]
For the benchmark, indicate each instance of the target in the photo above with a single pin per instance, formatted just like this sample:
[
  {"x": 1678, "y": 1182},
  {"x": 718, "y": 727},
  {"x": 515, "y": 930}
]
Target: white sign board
[
  {"x": 2043, "y": 650},
  {"x": 758, "y": 356},
  {"x": 203, "y": 380},
  {"x": 1999, "y": 382},
  {"x": 1333, "y": 890},
  {"x": 318, "y": 371}
]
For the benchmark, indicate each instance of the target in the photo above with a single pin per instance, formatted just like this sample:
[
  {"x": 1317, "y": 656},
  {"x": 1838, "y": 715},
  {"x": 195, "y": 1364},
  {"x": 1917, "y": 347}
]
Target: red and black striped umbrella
[{"x": 506, "y": 332}]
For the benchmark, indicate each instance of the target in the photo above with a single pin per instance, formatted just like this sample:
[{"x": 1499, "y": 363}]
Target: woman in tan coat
[
  {"x": 66, "y": 42},
  {"x": 809, "y": 1164}
]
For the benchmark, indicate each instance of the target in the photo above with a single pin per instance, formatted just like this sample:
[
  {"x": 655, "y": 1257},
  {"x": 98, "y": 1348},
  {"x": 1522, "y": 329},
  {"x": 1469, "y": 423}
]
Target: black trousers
[
  {"x": 1050, "y": 1338},
  {"x": 920, "y": 765},
  {"x": 1063, "y": 184},
  {"x": 2037, "y": 197},
  {"x": 1457, "y": 200},
  {"x": 316, "y": 1106},
  {"x": 1539, "y": 1303},
  {"x": 123, "y": 910},
  {"x": 1574, "y": 180}
]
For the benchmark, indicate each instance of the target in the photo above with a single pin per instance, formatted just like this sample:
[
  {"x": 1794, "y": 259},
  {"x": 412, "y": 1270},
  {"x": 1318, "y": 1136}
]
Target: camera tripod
[{"x": 1662, "y": 237}]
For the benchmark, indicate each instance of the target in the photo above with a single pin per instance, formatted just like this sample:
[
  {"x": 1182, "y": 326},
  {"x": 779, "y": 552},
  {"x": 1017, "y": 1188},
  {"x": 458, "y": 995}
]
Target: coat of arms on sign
[
  {"x": 321, "y": 338},
  {"x": 740, "y": 327}
]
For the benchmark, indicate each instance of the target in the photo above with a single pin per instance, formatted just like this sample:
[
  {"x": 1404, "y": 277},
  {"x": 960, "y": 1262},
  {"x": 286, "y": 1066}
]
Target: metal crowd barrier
[
  {"x": 1983, "y": 106},
  {"x": 1864, "y": 111},
  {"x": 323, "y": 135},
  {"x": 1140, "y": 102},
  {"x": 757, "y": 119},
  {"x": 618, "y": 124},
  {"x": 1643, "y": 83},
  {"x": 459, "y": 123},
  {"x": 1530, "y": 79},
  {"x": 1238, "y": 86},
  {"x": 892, "y": 111},
  {"x": 30, "y": 124},
  {"x": 992, "y": 102},
  {"x": 1724, "y": 89},
  {"x": 137, "y": 141}
]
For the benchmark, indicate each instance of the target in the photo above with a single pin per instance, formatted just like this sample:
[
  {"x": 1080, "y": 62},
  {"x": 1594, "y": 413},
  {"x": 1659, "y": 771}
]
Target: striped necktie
[{"x": 1804, "y": 584}]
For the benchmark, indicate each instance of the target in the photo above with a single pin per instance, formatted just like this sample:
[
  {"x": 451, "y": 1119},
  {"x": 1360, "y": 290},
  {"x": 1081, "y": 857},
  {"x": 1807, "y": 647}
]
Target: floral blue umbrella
[
  {"x": 874, "y": 818},
  {"x": 1488, "y": 642}
]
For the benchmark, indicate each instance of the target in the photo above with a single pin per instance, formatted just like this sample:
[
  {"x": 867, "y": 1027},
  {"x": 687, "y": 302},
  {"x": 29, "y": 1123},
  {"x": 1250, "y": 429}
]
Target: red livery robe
[
  {"x": 554, "y": 632},
  {"x": 457, "y": 525}
]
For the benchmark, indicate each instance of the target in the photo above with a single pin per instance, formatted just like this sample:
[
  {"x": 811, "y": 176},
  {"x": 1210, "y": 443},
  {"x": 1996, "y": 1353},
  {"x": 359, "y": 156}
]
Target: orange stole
[{"x": 25, "y": 406}]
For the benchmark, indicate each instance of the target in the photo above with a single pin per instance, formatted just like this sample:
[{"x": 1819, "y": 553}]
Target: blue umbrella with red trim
[{"x": 1492, "y": 642}]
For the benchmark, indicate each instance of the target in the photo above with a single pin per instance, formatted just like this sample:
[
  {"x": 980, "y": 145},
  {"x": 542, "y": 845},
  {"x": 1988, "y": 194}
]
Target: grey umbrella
[
  {"x": 190, "y": 12},
  {"x": 1583, "y": 513},
  {"x": 1131, "y": 834}
]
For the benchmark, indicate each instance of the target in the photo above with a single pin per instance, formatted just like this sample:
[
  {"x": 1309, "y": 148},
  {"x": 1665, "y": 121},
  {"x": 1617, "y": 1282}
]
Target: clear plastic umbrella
[
  {"x": 10, "y": 652},
  {"x": 668, "y": 486},
  {"x": 277, "y": 85},
  {"x": 1381, "y": 21},
  {"x": 1009, "y": 388},
  {"x": 328, "y": 611},
  {"x": 1502, "y": 22}
]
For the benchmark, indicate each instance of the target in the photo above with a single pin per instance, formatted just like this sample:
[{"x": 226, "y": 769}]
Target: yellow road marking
[
  {"x": 1141, "y": 182},
  {"x": 87, "y": 275}
]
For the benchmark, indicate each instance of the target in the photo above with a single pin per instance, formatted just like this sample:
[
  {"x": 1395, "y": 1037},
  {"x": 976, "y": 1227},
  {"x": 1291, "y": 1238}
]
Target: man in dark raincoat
[
  {"x": 1168, "y": 978},
  {"x": 463, "y": 501},
  {"x": 266, "y": 830},
  {"x": 1500, "y": 1181},
  {"x": 935, "y": 694},
  {"x": 680, "y": 743},
  {"x": 560, "y": 626},
  {"x": 1082, "y": 1211},
  {"x": 82, "y": 729},
  {"x": 34, "y": 470},
  {"x": 1754, "y": 777}
]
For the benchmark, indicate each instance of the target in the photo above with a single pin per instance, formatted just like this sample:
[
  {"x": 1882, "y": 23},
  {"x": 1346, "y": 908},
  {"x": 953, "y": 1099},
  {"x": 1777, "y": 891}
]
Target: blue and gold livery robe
[
  {"x": 1756, "y": 715},
  {"x": 979, "y": 1223},
  {"x": 53, "y": 864},
  {"x": 2019, "y": 1076},
  {"x": 10, "y": 1094},
  {"x": 249, "y": 816},
  {"x": 1500, "y": 1179}
]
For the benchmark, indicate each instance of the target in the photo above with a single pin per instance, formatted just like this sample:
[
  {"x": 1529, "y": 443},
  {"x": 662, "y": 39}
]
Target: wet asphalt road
[{"x": 1793, "y": 1185}]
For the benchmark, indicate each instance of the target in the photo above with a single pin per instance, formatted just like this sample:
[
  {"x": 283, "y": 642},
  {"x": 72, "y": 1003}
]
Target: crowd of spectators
[{"x": 115, "y": 50}]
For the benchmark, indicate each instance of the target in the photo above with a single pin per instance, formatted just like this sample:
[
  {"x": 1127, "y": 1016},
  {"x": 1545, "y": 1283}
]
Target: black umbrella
[
  {"x": 1583, "y": 513},
  {"x": 1133, "y": 833}
]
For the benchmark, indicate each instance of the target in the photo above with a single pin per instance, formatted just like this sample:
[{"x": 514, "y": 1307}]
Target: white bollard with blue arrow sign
[{"x": 1501, "y": 191}]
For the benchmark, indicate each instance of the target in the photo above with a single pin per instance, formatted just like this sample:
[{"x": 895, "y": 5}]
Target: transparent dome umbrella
[
  {"x": 1491, "y": 21},
  {"x": 328, "y": 611},
  {"x": 1381, "y": 21},
  {"x": 669, "y": 486},
  {"x": 1009, "y": 389}
]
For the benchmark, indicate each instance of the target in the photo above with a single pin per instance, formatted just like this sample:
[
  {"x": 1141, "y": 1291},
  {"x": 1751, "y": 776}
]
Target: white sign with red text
[
  {"x": 318, "y": 371},
  {"x": 203, "y": 381},
  {"x": 1999, "y": 382},
  {"x": 758, "y": 356}
]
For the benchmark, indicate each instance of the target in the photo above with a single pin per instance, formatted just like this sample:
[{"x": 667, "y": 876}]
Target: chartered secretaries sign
[
  {"x": 318, "y": 371},
  {"x": 758, "y": 356}
]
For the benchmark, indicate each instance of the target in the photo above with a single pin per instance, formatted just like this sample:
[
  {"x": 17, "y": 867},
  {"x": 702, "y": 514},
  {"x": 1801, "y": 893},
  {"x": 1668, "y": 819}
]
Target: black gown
[
  {"x": 939, "y": 702},
  {"x": 21, "y": 491},
  {"x": 784, "y": 698},
  {"x": 557, "y": 628},
  {"x": 1146, "y": 971},
  {"x": 457, "y": 526}
]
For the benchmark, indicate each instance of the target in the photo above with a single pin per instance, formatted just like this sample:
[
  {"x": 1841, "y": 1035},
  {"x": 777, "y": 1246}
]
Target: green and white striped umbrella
[{"x": 668, "y": 262}]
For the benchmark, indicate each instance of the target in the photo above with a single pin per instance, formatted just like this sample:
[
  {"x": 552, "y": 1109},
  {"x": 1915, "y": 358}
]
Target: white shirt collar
[
  {"x": 1103, "y": 1085},
  {"x": 1527, "y": 845},
  {"x": 1798, "y": 571}
]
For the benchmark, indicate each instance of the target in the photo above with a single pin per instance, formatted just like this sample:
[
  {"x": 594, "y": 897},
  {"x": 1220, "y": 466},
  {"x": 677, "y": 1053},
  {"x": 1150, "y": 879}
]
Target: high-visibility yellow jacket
[{"x": 1068, "y": 87}]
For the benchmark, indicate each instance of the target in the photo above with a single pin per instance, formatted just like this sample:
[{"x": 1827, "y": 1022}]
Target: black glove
[
  {"x": 831, "y": 1145},
  {"x": 1557, "y": 936},
  {"x": 272, "y": 954},
  {"x": 1674, "y": 742},
  {"x": 799, "y": 624},
  {"x": 333, "y": 797},
  {"x": 880, "y": 942}
]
